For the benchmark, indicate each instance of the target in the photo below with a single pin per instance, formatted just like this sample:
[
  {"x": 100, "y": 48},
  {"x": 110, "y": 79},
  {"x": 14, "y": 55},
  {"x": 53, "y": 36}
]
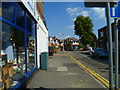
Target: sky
[{"x": 60, "y": 17}]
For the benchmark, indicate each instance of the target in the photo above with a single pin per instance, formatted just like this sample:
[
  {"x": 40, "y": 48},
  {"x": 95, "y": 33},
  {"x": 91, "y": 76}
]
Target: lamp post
[
  {"x": 63, "y": 39},
  {"x": 63, "y": 43}
]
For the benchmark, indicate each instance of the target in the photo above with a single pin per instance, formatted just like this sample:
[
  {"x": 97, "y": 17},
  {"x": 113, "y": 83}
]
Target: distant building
[
  {"x": 56, "y": 43},
  {"x": 103, "y": 36},
  {"x": 53, "y": 41},
  {"x": 74, "y": 43}
]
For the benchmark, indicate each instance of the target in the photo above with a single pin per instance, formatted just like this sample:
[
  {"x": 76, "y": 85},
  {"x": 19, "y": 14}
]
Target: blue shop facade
[{"x": 21, "y": 25}]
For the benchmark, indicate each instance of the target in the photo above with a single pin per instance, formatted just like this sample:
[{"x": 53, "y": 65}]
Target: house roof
[{"x": 72, "y": 38}]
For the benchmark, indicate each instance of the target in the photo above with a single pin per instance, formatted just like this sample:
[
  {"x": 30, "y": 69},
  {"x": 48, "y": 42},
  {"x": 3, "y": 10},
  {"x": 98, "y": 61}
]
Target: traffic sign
[
  {"x": 115, "y": 11},
  {"x": 100, "y": 4}
]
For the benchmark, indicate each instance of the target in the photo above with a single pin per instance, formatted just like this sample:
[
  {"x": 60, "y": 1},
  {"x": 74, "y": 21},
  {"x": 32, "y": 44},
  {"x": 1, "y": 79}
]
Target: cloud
[
  {"x": 67, "y": 36},
  {"x": 76, "y": 11},
  {"x": 70, "y": 27},
  {"x": 74, "y": 19},
  {"x": 100, "y": 12},
  {"x": 71, "y": 10},
  {"x": 84, "y": 13}
]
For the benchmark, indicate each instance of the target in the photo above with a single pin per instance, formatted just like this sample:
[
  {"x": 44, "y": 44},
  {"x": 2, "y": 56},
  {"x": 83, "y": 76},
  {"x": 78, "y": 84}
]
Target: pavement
[{"x": 63, "y": 73}]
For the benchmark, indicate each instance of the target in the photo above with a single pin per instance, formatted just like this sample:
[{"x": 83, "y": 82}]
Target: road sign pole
[
  {"x": 110, "y": 46},
  {"x": 116, "y": 52}
]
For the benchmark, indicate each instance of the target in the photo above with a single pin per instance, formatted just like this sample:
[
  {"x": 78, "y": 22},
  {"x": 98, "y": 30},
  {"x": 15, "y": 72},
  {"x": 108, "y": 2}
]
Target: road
[
  {"x": 100, "y": 66},
  {"x": 63, "y": 72}
]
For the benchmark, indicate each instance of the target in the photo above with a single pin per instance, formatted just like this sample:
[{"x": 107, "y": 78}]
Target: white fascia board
[{"x": 29, "y": 7}]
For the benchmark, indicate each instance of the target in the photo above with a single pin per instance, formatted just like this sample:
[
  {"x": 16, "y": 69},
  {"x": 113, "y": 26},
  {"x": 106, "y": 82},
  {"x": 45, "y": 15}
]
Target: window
[
  {"x": 20, "y": 15},
  {"x": 31, "y": 52},
  {"x": 30, "y": 24},
  {"x": 13, "y": 54},
  {"x": 101, "y": 34},
  {"x": 8, "y": 11},
  {"x": 0, "y": 56},
  {"x": 0, "y": 8}
]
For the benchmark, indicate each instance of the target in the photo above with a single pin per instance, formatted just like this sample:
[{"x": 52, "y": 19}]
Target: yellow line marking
[{"x": 96, "y": 75}]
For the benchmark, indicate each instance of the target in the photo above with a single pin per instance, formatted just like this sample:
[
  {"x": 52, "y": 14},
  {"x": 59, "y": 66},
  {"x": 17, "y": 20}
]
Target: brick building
[{"x": 103, "y": 36}]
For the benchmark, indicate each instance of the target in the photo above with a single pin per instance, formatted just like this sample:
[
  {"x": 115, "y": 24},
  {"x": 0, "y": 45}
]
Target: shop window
[
  {"x": 20, "y": 15},
  {"x": 31, "y": 52},
  {"x": 30, "y": 24},
  {"x": 8, "y": 11},
  {"x": 0, "y": 8},
  {"x": 13, "y": 55},
  {"x": 0, "y": 46}
]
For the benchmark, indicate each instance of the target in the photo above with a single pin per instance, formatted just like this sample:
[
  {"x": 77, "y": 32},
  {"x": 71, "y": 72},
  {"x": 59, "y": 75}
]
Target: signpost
[
  {"x": 115, "y": 13},
  {"x": 116, "y": 53},
  {"x": 107, "y": 5}
]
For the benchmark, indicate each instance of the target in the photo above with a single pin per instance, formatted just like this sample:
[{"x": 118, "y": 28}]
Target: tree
[
  {"x": 83, "y": 29},
  {"x": 69, "y": 45}
]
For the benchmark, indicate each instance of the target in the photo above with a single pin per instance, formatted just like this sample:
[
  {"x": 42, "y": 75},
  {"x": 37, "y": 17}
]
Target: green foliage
[
  {"x": 69, "y": 44},
  {"x": 80, "y": 46},
  {"x": 83, "y": 29}
]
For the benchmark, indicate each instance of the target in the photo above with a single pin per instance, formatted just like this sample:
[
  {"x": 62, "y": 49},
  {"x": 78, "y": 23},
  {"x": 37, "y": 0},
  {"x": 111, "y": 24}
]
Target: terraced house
[{"x": 23, "y": 39}]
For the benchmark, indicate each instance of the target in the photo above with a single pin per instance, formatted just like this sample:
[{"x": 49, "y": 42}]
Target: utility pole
[{"x": 110, "y": 52}]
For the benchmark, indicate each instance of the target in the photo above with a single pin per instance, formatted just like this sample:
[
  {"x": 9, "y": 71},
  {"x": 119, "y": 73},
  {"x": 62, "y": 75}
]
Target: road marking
[
  {"x": 93, "y": 73},
  {"x": 72, "y": 73},
  {"x": 61, "y": 68}
]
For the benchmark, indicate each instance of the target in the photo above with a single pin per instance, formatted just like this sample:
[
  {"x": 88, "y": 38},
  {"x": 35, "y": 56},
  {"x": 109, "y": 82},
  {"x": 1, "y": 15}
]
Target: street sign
[
  {"x": 99, "y": 4},
  {"x": 115, "y": 11}
]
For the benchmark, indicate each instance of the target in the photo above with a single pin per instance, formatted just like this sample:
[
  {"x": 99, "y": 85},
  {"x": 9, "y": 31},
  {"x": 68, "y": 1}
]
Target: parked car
[
  {"x": 90, "y": 49},
  {"x": 100, "y": 53},
  {"x": 85, "y": 48},
  {"x": 51, "y": 51}
]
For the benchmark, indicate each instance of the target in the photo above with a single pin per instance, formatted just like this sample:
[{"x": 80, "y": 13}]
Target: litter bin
[{"x": 44, "y": 61}]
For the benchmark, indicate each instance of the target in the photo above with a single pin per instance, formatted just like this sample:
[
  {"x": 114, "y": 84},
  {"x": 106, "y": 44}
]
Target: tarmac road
[{"x": 100, "y": 66}]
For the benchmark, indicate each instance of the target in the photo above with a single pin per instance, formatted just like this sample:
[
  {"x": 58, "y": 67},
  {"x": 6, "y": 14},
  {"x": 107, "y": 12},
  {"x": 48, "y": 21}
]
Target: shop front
[{"x": 18, "y": 58}]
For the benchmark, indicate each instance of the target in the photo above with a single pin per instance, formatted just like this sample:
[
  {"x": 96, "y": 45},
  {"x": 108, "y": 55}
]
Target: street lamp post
[
  {"x": 63, "y": 40},
  {"x": 63, "y": 45}
]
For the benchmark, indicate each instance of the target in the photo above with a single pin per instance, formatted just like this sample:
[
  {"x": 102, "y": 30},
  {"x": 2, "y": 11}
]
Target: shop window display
[
  {"x": 0, "y": 46},
  {"x": 20, "y": 15},
  {"x": 30, "y": 24},
  {"x": 13, "y": 54},
  {"x": 0, "y": 8},
  {"x": 8, "y": 11},
  {"x": 31, "y": 52},
  {"x": 18, "y": 47}
]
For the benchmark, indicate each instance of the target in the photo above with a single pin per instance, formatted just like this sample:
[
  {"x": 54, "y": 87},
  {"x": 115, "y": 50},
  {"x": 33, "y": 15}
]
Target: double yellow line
[{"x": 96, "y": 75}]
